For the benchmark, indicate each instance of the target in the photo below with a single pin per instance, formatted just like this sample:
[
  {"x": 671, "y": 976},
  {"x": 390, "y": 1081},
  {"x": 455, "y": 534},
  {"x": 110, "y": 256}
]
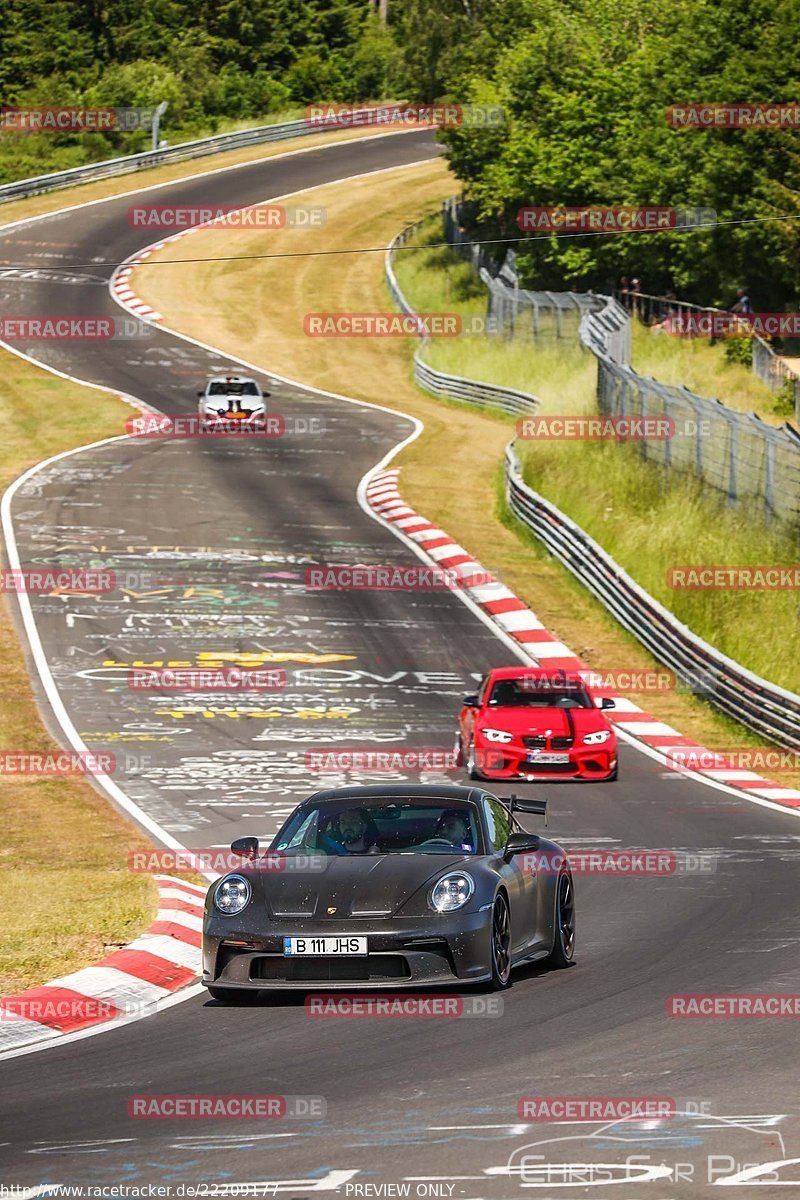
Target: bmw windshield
[{"x": 537, "y": 693}]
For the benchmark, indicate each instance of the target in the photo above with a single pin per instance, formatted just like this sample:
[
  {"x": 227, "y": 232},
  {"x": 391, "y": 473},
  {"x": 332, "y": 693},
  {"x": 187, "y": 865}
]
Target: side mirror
[
  {"x": 247, "y": 847},
  {"x": 201, "y": 394},
  {"x": 521, "y": 843},
  {"x": 607, "y": 702},
  {"x": 471, "y": 701}
]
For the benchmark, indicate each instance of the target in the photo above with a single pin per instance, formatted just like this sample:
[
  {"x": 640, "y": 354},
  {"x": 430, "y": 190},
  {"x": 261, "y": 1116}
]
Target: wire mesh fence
[
  {"x": 772, "y": 370},
  {"x": 511, "y": 310},
  {"x": 735, "y": 452},
  {"x": 767, "y": 365}
]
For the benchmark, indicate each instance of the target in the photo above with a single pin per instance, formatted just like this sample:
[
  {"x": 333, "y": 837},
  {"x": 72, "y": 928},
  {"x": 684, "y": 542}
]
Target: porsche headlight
[
  {"x": 594, "y": 739},
  {"x": 451, "y": 892},
  {"x": 232, "y": 894},
  {"x": 497, "y": 735}
]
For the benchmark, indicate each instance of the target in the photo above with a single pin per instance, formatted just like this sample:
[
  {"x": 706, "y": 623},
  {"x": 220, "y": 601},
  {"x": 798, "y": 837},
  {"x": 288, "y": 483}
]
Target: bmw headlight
[
  {"x": 594, "y": 739},
  {"x": 232, "y": 894},
  {"x": 451, "y": 892},
  {"x": 496, "y": 735}
]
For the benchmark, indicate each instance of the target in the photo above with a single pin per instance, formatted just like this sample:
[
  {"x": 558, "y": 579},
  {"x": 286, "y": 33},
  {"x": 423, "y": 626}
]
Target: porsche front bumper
[{"x": 402, "y": 952}]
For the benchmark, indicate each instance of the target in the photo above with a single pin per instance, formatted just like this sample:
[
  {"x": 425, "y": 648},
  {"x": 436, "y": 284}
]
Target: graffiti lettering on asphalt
[
  {"x": 211, "y": 712},
  {"x": 239, "y": 658}
]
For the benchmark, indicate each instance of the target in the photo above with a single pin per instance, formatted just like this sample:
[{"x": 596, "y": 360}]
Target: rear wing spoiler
[{"x": 537, "y": 808}]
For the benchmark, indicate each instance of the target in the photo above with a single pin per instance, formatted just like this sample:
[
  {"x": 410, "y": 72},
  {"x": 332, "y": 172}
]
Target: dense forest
[
  {"x": 586, "y": 85},
  {"x": 584, "y": 88}
]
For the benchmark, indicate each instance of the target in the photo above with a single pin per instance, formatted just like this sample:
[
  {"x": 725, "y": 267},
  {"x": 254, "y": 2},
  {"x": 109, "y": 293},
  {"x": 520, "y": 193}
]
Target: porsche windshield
[
  {"x": 382, "y": 827},
  {"x": 538, "y": 693}
]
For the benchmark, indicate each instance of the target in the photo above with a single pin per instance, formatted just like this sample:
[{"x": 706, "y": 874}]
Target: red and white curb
[
  {"x": 125, "y": 985},
  {"x": 120, "y": 283},
  {"x": 124, "y": 293},
  {"x": 518, "y": 622}
]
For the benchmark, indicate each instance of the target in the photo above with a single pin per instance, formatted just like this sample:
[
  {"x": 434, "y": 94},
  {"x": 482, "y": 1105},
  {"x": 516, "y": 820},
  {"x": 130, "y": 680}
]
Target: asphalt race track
[{"x": 211, "y": 539}]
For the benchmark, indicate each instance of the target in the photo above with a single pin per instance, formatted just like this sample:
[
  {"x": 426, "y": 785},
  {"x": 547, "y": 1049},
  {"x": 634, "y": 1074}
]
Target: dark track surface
[{"x": 230, "y": 527}]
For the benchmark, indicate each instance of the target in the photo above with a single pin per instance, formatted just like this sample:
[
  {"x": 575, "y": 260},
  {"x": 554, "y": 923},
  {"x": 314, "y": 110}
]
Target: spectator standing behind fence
[
  {"x": 624, "y": 289},
  {"x": 742, "y": 304}
]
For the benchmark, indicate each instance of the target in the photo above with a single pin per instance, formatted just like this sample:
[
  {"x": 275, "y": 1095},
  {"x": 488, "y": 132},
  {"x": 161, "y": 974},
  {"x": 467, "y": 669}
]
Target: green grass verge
[{"x": 648, "y": 520}]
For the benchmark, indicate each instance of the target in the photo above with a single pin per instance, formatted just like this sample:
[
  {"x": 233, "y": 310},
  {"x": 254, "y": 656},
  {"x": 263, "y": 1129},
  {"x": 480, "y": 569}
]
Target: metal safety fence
[
  {"x": 767, "y": 709},
  {"x": 769, "y": 367},
  {"x": 734, "y": 452},
  {"x": 511, "y": 310},
  {"x": 772, "y": 370},
  {"x": 440, "y": 383}
]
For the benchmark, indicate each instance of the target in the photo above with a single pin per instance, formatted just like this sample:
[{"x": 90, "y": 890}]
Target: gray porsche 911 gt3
[{"x": 385, "y": 887}]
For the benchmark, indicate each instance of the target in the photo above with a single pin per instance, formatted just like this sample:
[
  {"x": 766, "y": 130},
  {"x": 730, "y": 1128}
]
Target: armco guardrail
[
  {"x": 388, "y": 266},
  {"x": 439, "y": 383},
  {"x": 471, "y": 391},
  {"x": 156, "y": 158},
  {"x": 763, "y": 707}
]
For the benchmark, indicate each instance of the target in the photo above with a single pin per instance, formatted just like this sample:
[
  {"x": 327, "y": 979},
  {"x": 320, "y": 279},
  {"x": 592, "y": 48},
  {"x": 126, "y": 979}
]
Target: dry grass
[
  {"x": 64, "y": 847},
  {"x": 457, "y": 444}
]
